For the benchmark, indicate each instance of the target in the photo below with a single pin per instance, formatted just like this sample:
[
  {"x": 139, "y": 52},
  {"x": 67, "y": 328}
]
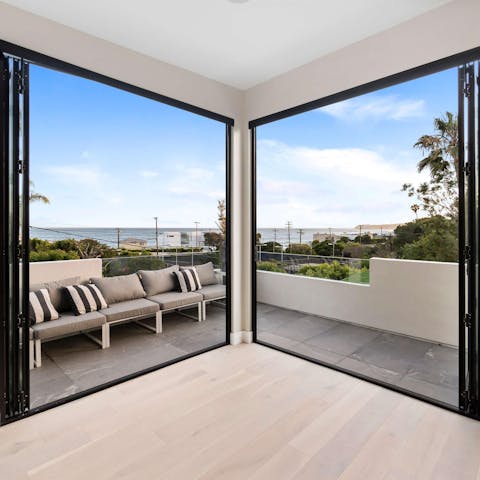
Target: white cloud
[
  {"x": 148, "y": 173},
  {"x": 376, "y": 107},
  {"x": 196, "y": 174},
  {"x": 195, "y": 183},
  {"x": 86, "y": 175},
  {"x": 332, "y": 187}
]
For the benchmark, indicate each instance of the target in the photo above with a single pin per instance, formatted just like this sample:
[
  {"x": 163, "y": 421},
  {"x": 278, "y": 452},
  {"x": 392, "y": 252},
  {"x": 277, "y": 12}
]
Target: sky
[
  {"x": 344, "y": 165},
  {"x": 108, "y": 158}
]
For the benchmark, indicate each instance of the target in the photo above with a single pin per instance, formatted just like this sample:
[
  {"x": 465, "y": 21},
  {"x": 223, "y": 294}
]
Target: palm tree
[
  {"x": 439, "y": 196},
  {"x": 415, "y": 208},
  {"x": 442, "y": 147},
  {"x": 37, "y": 197}
]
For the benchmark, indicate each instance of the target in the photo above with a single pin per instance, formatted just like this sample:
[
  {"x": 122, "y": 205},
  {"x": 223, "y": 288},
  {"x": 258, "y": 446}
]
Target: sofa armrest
[{"x": 220, "y": 276}]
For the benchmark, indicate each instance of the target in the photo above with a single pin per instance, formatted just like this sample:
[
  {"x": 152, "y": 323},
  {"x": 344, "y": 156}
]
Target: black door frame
[
  {"x": 25, "y": 57},
  {"x": 457, "y": 60}
]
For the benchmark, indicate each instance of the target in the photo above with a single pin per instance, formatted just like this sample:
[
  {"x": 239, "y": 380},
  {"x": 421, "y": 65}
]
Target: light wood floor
[{"x": 244, "y": 412}]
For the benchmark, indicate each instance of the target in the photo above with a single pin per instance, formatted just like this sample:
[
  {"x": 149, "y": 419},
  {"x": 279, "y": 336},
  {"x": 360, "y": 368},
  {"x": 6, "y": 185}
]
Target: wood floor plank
[{"x": 244, "y": 412}]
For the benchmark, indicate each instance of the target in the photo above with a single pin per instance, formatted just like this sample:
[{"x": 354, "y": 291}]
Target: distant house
[
  {"x": 321, "y": 237},
  {"x": 133, "y": 244}
]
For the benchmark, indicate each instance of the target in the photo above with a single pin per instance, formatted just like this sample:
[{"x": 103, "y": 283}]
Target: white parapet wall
[
  {"x": 414, "y": 298},
  {"x": 61, "y": 269}
]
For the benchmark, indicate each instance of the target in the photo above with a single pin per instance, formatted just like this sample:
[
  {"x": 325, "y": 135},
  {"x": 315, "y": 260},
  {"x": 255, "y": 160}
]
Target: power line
[
  {"x": 83, "y": 237},
  {"x": 301, "y": 231},
  {"x": 289, "y": 226}
]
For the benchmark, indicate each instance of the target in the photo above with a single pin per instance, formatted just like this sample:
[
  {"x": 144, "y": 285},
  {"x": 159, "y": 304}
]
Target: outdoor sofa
[{"x": 130, "y": 298}]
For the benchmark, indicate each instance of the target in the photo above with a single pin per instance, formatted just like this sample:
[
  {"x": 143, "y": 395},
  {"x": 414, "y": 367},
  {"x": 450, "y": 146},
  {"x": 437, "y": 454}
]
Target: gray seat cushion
[
  {"x": 67, "y": 324},
  {"x": 206, "y": 274},
  {"x": 129, "y": 309},
  {"x": 175, "y": 299},
  {"x": 120, "y": 288},
  {"x": 213, "y": 291},
  {"x": 60, "y": 300},
  {"x": 158, "y": 281}
]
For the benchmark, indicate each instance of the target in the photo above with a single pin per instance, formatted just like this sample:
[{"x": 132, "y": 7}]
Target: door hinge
[
  {"x": 20, "y": 81},
  {"x": 22, "y": 400},
  {"x": 467, "y": 170},
  {"x": 5, "y": 74},
  {"x": 467, "y": 251},
  {"x": 467, "y": 320},
  {"x": 466, "y": 400},
  {"x": 21, "y": 320},
  {"x": 21, "y": 167},
  {"x": 20, "y": 252}
]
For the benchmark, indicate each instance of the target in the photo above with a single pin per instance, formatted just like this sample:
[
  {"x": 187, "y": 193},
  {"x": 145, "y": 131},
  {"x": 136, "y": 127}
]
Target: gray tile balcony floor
[
  {"x": 420, "y": 366},
  {"x": 73, "y": 364}
]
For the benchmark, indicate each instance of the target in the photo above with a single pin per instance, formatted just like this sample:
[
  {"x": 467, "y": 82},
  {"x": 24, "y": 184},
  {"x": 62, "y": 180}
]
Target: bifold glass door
[
  {"x": 468, "y": 144},
  {"x": 15, "y": 275},
  {"x": 366, "y": 232},
  {"x": 103, "y": 183}
]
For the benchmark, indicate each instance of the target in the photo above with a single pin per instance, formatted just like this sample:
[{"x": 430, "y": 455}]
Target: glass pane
[
  {"x": 122, "y": 184},
  {"x": 357, "y": 245}
]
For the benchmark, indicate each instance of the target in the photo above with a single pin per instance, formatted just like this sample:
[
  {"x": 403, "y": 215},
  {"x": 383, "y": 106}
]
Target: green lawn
[{"x": 359, "y": 277}]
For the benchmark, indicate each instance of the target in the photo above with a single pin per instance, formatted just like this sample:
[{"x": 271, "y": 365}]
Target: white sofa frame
[{"x": 36, "y": 344}]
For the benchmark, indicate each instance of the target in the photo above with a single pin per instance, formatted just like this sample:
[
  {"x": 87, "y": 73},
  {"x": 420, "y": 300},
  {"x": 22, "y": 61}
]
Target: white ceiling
[{"x": 237, "y": 42}]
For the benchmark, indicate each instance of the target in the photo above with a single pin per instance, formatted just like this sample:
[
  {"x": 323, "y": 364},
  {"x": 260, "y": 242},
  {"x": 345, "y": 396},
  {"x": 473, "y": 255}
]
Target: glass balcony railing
[{"x": 354, "y": 270}]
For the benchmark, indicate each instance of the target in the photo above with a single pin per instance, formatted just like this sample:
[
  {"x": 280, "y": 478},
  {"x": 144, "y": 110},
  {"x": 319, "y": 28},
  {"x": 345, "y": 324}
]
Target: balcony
[
  {"x": 401, "y": 328},
  {"x": 75, "y": 363}
]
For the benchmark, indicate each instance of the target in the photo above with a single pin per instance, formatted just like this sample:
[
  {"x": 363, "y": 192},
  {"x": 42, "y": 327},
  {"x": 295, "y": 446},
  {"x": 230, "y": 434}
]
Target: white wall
[
  {"x": 62, "y": 269},
  {"x": 56, "y": 40},
  {"x": 418, "y": 299},
  {"x": 441, "y": 32}
]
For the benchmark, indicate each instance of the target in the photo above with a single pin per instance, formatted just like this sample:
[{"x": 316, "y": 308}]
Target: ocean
[{"x": 110, "y": 236}]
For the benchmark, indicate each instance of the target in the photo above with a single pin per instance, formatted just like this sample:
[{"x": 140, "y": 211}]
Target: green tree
[
  {"x": 270, "y": 267},
  {"x": 213, "y": 239},
  {"x": 332, "y": 271},
  {"x": 408, "y": 233},
  {"x": 323, "y": 248},
  {"x": 271, "y": 247},
  {"x": 438, "y": 196},
  {"x": 436, "y": 240},
  {"x": 89, "y": 248},
  {"x": 299, "y": 249},
  {"x": 365, "y": 238}
]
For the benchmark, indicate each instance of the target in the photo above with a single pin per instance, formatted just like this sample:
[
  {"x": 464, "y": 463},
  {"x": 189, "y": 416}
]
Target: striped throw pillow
[
  {"x": 41, "y": 308},
  {"x": 85, "y": 298},
  {"x": 188, "y": 280}
]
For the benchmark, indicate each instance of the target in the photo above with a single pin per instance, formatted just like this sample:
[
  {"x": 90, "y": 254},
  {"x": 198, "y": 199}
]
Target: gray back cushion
[
  {"x": 206, "y": 274},
  {"x": 120, "y": 289},
  {"x": 56, "y": 289},
  {"x": 158, "y": 281}
]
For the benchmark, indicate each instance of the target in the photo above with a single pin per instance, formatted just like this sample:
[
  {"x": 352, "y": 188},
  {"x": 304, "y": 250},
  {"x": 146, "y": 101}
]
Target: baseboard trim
[{"x": 236, "y": 338}]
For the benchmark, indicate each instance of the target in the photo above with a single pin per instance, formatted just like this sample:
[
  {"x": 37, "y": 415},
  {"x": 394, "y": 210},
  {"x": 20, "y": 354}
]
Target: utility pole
[
  {"x": 156, "y": 232},
  {"x": 196, "y": 233},
  {"x": 360, "y": 234},
  {"x": 301, "y": 232},
  {"x": 118, "y": 239},
  {"x": 275, "y": 230},
  {"x": 289, "y": 226}
]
